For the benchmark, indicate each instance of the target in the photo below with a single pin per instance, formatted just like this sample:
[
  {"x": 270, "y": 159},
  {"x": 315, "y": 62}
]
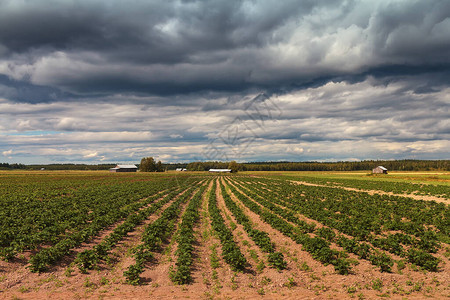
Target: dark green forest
[{"x": 392, "y": 165}]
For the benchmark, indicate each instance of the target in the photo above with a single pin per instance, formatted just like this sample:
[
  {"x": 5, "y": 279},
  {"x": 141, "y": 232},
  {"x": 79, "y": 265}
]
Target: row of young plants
[
  {"x": 41, "y": 261},
  {"x": 362, "y": 250},
  {"x": 28, "y": 221},
  {"x": 387, "y": 212},
  {"x": 372, "y": 213},
  {"x": 260, "y": 238},
  {"x": 155, "y": 235},
  {"x": 366, "y": 251},
  {"x": 383, "y": 184},
  {"x": 230, "y": 250},
  {"x": 287, "y": 198},
  {"x": 416, "y": 249},
  {"x": 185, "y": 239},
  {"x": 391, "y": 243},
  {"x": 276, "y": 206},
  {"x": 318, "y": 247},
  {"x": 287, "y": 214},
  {"x": 88, "y": 259},
  {"x": 378, "y": 258}
]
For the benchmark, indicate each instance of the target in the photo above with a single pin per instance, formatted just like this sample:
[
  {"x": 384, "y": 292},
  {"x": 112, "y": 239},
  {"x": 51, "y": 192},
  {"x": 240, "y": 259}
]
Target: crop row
[
  {"x": 230, "y": 251},
  {"x": 369, "y": 213},
  {"x": 47, "y": 256},
  {"x": 383, "y": 184},
  {"x": 88, "y": 259},
  {"x": 365, "y": 250},
  {"x": 155, "y": 235},
  {"x": 260, "y": 238},
  {"x": 355, "y": 246},
  {"x": 28, "y": 221},
  {"x": 318, "y": 247},
  {"x": 391, "y": 243},
  {"x": 185, "y": 239}
]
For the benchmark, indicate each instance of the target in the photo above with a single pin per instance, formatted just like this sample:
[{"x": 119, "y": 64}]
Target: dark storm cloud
[
  {"x": 23, "y": 91},
  {"x": 168, "y": 48},
  {"x": 98, "y": 80},
  {"x": 145, "y": 31},
  {"x": 416, "y": 31}
]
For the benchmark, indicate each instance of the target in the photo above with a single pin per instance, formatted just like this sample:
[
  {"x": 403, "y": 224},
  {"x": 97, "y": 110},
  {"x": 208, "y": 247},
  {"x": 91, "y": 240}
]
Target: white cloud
[
  {"x": 7, "y": 153},
  {"x": 70, "y": 124},
  {"x": 295, "y": 150},
  {"x": 336, "y": 120},
  {"x": 91, "y": 155}
]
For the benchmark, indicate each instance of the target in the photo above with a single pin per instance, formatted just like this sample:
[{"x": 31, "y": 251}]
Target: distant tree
[
  {"x": 7, "y": 166},
  {"x": 147, "y": 164},
  {"x": 159, "y": 167},
  {"x": 234, "y": 166}
]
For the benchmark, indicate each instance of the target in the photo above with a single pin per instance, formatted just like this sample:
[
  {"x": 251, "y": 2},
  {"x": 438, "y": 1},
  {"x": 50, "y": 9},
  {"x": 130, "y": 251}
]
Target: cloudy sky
[{"x": 102, "y": 81}]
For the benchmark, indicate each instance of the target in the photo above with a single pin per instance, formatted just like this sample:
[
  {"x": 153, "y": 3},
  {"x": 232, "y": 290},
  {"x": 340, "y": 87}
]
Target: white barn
[
  {"x": 220, "y": 170},
  {"x": 124, "y": 168}
]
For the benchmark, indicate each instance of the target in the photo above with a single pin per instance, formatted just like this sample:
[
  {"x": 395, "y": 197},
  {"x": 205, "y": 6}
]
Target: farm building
[
  {"x": 220, "y": 170},
  {"x": 379, "y": 170},
  {"x": 180, "y": 169},
  {"x": 124, "y": 168}
]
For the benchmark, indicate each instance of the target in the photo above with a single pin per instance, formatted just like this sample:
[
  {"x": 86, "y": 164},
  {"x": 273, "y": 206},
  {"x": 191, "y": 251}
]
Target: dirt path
[
  {"x": 373, "y": 192},
  {"x": 210, "y": 276}
]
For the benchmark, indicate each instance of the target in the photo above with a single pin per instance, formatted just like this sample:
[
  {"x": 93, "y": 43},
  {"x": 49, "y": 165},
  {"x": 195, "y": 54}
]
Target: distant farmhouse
[
  {"x": 124, "y": 168},
  {"x": 180, "y": 169},
  {"x": 220, "y": 170},
  {"x": 379, "y": 170}
]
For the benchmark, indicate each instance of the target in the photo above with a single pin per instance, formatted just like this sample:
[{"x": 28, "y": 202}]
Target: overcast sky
[{"x": 113, "y": 81}]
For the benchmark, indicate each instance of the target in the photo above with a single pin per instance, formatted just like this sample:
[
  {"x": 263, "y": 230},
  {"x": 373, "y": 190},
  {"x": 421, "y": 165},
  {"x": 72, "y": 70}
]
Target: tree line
[
  {"x": 56, "y": 167},
  {"x": 151, "y": 165},
  {"x": 392, "y": 165},
  {"x": 206, "y": 165},
  {"x": 7, "y": 166}
]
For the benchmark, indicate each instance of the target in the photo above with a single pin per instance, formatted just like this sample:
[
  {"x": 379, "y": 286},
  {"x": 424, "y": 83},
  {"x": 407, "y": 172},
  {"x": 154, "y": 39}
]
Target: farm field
[{"x": 293, "y": 235}]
